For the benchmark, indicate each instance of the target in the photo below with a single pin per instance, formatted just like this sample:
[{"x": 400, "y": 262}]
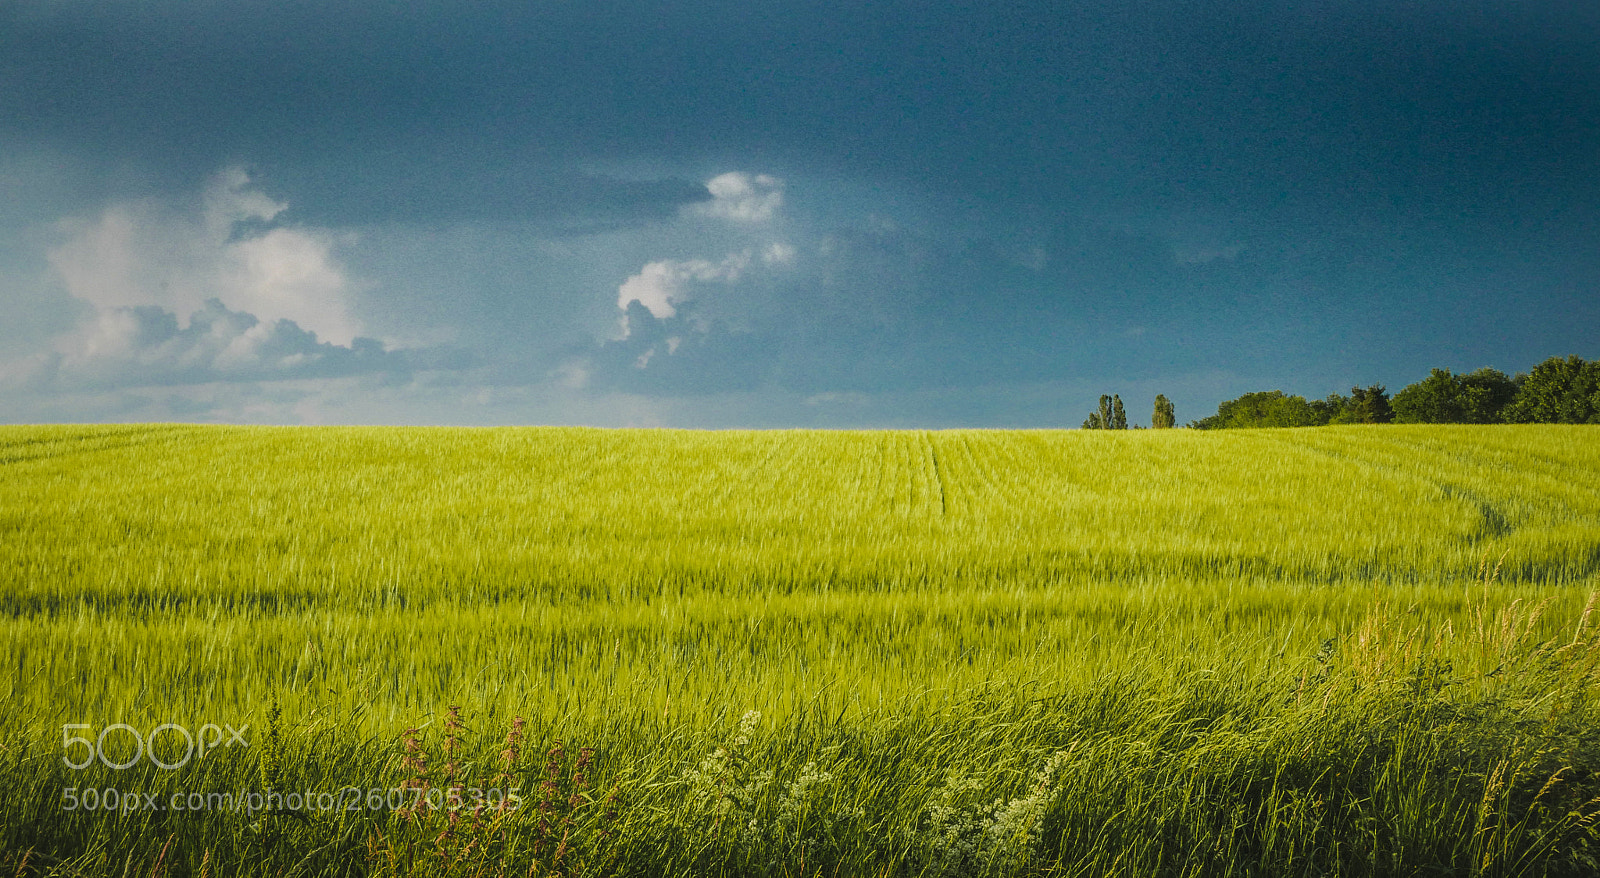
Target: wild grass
[{"x": 1345, "y": 651}]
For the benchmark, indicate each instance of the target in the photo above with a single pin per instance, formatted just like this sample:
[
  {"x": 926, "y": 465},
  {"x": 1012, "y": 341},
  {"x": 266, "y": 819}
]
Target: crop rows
[{"x": 1336, "y": 651}]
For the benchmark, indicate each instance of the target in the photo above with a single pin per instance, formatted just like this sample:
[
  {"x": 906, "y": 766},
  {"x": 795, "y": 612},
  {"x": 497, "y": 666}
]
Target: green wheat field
[{"x": 486, "y": 652}]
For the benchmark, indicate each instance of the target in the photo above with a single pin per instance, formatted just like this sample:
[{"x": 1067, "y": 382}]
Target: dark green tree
[
  {"x": 1368, "y": 405},
  {"x": 1557, "y": 391},
  {"x": 1442, "y": 398},
  {"x": 1331, "y": 409},
  {"x": 1267, "y": 408},
  {"x": 1119, "y": 417},
  {"x": 1433, "y": 400},
  {"x": 1165, "y": 415},
  {"x": 1485, "y": 393}
]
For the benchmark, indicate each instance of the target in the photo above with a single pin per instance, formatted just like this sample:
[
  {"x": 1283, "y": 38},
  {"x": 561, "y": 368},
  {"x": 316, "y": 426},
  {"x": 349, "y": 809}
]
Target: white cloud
[
  {"x": 137, "y": 255},
  {"x": 722, "y": 289},
  {"x": 661, "y": 286},
  {"x": 742, "y": 197},
  {"x": 778, "y": 253},
  {"x": 145, "y": 346},
  {"x": 229, "y": 200},
  {"x": 573, "y": 374}
]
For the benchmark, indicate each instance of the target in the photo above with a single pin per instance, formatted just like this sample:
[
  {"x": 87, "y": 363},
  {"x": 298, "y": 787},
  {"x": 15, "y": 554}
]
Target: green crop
[{"x": 1349, "y": 650}]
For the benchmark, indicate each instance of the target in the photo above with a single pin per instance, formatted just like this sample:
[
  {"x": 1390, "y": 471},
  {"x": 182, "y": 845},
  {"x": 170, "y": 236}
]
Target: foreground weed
[
  {"x": 758, "y": 821},
  {"x": 459, "y": 823},
  {"x": 961, "y": 836},
  {"x": 726, "y": 787}
]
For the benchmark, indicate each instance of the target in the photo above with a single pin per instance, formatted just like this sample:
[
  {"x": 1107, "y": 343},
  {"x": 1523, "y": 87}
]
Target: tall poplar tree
[
  {"x": 1165, "y": 415},
  {"x": 1110, "y": 415}
]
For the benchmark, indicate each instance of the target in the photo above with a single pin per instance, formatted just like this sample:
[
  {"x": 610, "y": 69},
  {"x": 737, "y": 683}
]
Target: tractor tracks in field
[
  {"x": 85, "y": 442},
  {"x": 1493, "y": 521},
  {"x": 912, "y": 480},
  {"x": 938, "y": 473}
]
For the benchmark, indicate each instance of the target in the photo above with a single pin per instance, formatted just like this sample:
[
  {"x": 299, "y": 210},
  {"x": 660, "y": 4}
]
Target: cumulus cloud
[
  {"x": 742, "y": 197},
  {"x": 229, "y": 200},
  {"x": 144, "y": 345},
  {"x": 139, "y": 255},
  {"x": 661, "y": 286},
  {"x": 723, "y": 290}
]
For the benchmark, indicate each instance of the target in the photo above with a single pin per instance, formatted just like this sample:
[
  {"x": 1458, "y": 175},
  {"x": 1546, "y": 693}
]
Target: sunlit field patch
[{"x": 1348, "y": 650}]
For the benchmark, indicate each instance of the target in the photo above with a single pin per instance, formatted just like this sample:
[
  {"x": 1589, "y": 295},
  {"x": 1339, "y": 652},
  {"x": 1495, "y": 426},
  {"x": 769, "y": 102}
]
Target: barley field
[{"x": 542, "y": 651}]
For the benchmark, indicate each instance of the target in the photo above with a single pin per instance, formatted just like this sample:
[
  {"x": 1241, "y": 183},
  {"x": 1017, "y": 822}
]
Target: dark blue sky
[{"x": 782, "y": 214}]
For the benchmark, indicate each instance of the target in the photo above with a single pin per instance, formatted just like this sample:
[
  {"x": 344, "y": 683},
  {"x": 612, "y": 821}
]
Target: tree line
[
  {"x": 1557, "y": 391},
  {"x": 1112, "y": 416}
]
